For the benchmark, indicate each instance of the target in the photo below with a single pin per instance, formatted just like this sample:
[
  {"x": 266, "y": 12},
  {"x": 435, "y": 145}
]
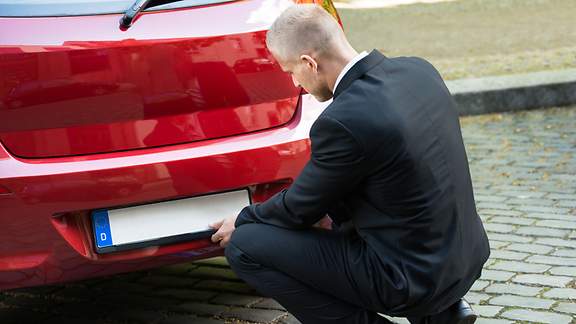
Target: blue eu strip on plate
[{"x": 102, "y": 233}]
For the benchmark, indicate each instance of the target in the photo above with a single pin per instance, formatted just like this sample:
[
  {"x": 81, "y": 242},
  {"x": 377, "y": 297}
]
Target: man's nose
[{"x": 296, "y": 83}]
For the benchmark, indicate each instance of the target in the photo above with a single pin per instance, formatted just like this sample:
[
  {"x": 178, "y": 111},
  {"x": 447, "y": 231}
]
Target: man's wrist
[{"x": 244, "y": 216}]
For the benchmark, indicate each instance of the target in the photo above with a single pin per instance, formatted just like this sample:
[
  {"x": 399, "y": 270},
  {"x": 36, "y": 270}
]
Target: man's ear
[{"x": 310, "y": 62}]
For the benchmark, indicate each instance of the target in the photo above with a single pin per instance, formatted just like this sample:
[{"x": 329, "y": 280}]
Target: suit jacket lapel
[{"x": 358, "y": 70}]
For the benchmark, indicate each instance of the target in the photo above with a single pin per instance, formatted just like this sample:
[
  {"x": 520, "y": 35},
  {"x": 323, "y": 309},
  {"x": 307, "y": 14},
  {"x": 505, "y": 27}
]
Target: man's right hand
[
  {"x": 325, "y": 223},
  {"x": 225, "y": 228}
]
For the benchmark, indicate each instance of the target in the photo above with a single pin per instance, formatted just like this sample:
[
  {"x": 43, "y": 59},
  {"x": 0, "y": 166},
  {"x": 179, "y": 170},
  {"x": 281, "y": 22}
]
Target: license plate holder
[{"x": 155, "y": 224}]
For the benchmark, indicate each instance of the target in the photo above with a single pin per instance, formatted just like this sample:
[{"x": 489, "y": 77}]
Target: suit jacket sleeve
[{"x": 334, "y": 169}]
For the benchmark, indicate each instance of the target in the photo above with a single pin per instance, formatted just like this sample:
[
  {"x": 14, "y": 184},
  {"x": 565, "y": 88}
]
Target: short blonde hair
[{"x": 303, "y": 29}]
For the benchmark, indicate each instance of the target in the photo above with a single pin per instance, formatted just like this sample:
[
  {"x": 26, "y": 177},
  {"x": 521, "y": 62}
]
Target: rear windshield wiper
[{"x": 130, "y": 14}]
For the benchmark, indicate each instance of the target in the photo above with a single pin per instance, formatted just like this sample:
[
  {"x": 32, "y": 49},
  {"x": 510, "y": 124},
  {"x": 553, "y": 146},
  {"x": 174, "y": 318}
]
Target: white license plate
[{"x": 164, "y": 222}]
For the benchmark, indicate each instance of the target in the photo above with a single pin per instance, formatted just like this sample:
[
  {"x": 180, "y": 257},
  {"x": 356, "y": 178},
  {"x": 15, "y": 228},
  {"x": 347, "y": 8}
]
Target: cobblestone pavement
[{"x": 524, "y": 172}]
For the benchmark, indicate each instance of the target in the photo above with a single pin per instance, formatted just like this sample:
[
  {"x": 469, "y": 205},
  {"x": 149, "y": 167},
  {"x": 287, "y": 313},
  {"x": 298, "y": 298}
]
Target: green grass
[{"x": 471, "y": 38}]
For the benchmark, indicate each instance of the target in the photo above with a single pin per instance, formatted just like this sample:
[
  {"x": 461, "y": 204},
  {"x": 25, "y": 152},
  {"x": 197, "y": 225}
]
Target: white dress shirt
[{"x": 348, "y": 67}]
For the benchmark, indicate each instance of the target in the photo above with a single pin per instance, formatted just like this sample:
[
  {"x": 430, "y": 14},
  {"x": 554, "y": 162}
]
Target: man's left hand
[{"x": 224, "y": 231}]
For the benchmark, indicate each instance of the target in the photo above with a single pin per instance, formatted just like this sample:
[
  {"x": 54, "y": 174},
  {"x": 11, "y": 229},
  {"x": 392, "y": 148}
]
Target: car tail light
[{"x": 327, "y": 5}]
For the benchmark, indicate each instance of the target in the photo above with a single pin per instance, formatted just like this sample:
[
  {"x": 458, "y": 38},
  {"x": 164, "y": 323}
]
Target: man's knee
[
  {"x": 244, "y": 245},
  {"x": 247, "y": 236}
]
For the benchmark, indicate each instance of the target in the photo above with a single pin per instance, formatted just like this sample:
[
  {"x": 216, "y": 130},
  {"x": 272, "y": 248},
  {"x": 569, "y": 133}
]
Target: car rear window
[{"x": 52, "y": 8}]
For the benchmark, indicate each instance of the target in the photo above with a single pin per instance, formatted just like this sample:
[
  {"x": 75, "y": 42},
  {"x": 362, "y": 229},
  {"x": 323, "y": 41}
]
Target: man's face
[{"x": 306, "y": 73}]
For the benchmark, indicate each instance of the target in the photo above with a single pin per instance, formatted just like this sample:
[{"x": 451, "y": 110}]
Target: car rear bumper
[{"x": 45, "y": 203}]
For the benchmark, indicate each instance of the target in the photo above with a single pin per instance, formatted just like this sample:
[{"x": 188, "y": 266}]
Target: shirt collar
[{"x": 348, "y": 67}]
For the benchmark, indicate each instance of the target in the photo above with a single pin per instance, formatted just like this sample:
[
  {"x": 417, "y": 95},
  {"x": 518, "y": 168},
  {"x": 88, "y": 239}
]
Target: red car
[{"x": 123, "y": 134}]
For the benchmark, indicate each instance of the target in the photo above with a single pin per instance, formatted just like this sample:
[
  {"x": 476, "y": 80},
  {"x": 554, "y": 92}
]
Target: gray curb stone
[{"x": 514, "y": 92}]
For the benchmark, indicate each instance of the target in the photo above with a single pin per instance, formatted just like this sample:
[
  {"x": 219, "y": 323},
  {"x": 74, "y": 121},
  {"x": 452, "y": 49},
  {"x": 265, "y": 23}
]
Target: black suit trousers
[{"x": 313, "y": 273}]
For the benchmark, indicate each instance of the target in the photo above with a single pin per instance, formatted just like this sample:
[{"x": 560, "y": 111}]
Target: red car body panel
[
  {"x": 183, "y": 103},
  {"x": 88, "y": 87},
  {"x": 46, "y": 233}
]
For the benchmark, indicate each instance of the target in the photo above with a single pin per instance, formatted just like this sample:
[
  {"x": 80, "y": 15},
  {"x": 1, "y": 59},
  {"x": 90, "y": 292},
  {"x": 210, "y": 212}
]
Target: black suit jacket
[{"x": 388, "y": 157}]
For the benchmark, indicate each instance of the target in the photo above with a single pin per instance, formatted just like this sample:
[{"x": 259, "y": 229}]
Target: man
[{"x": 388, "y": 166}]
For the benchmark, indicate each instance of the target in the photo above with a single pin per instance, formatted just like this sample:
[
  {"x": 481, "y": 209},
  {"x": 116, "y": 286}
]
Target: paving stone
[
  {"x": 189, "y": 319},
  {"x": 509, "y": 237},
  {"x": 492, "y": 198},
  {"x": 37, "y": 303},
  {"x": 556, "y": 224},
  {"x": 546, "y": 259},
  {"x": 498, "y": 228},
  {"x": 563, "y": 271},
  {"x": 487, "y": 310},
  {"x": 523, "y": 194},
  {"x": 565, "y": 253},
  {"x": 496, "y": 275},
  {"x": 479, "y": 285},
  {"x": 138, "y": 316},
  {"x": 541, "y": 231},
  {"x": 476, "y": 297},
  {"x": 508, "y": 255},
  {"x": 561, "y": 293},
  {"x": 521, "y": 267},
  {"x": 201, "y": 320},
  {"x": 550, "y": 216},
  {"x": 221, "y": 285},
  {"x": 550, "y": 188},
  {"x": 176, "y": 269},
  {"x": 566, "y": 307},
  {"x": 531, "y": 201},
  {"x": 126, "y": 287},
  {"x": 481, "y": 320},
  {"x": 74, "y": 320},
  {"x": 521, "y": 301},
  {"x": 514, "y": 289},
  {"x": 235, "y": 299},
  {"x": 492, "y": 205},
  {"x": 543, "y": 209},
  {"x": 537, "y": 316},
  {"x": 556, "y": 242},
  {"x": 216, "y": 261},
  {"x": 512, "y": 220},
  {"x": 137, "y": 301},
  {"x": 253, "y": 315},
  {"x": 76, "y": 293},
  {"x": 530, "y": 248},
  {"x": 561, "y": 196},
  {"x": 566, "y": 203},
  {"x": 169, "y": 281},
  {"x": 40, "y": 290},
  {"x": 187, "y": 294},
  {"x": 201, "y": 309},
  {"x": 19, "y": 316},
  {"x": 543, "y": 280},
  {"x": 268, "y": 303},
  {"x": 127, "y": 277},
  {"x": 500, "y": 212},
  {"x": 495, "y": 245},
  {"x": 517, "y": 187},
  {"x": 83, "y": 309},
  {"x": 213, "y": 272}
]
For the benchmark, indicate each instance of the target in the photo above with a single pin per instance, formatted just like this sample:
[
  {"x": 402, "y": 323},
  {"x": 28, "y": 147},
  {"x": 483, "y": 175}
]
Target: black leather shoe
[{"x": 459, "y": 313}]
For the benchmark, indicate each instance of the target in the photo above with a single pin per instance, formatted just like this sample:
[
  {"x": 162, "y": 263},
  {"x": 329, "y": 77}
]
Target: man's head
[{"x": 309, "y": 44}]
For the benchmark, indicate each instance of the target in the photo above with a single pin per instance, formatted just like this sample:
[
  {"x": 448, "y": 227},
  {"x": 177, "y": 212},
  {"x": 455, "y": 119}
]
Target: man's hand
[
  {"x": 325, "y": 223},
  {"x": 224, "y": 229}
]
